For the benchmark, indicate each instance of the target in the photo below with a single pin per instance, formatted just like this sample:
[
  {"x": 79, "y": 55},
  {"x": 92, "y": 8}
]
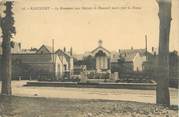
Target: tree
[
  {"x": 8, "y": 29},
  {"x": 90, "y": 62},
  {"x": 162, "y": 91}
]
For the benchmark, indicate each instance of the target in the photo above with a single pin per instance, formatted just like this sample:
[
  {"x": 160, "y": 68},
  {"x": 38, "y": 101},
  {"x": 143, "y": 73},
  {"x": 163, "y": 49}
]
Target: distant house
[
  {"x": 41, "y": 64},
  {"x": 102, "y": 57},
  {"x": 129, "y": 59},
  {"x": 98, "y": 59},
  {"x": 37, "y": 66},
  {"x": 67, "y": 60}
]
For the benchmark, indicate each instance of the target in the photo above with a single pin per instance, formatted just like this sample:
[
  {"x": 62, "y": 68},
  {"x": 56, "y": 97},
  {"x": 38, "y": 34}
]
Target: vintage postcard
[{"x": 89, "y": 58}]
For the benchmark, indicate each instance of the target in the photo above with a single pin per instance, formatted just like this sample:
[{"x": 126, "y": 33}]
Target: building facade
[
  {"x": 102, "y": 58},
  {"x": 67, "y": 60},
  {"x": 40, "y": 64},
  {"x": 44, "y": 66},
  {"x": 131, "y": 60}
]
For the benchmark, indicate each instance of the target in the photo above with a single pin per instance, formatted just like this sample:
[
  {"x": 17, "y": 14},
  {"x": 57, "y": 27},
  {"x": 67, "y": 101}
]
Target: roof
[
  {"x": 132, "y": 51},
  {"x": 81, "y": 56},
  {"x": 128, "y": 54},
  {"x": 28, "y": 51},
  {"x": 35, "y": 58},
  {"x": 100, "y": 48},
  {"x": 130, "y": 57},
  {"x": 66, "y": 54},
  {"x": 48, "y": 48}
]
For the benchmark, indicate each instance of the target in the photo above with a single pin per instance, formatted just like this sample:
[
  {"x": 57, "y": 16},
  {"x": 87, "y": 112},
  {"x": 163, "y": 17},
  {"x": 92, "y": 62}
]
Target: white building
[{"x": 102, "y": 57}]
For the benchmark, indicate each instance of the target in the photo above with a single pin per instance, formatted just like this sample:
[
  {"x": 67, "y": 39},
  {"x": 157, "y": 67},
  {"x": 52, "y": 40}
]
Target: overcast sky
[{"x": 40, "y": 21}]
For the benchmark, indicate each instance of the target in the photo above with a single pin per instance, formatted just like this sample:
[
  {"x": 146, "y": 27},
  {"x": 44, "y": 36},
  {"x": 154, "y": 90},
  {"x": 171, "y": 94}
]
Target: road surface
[{"x": 147, "y": 96}]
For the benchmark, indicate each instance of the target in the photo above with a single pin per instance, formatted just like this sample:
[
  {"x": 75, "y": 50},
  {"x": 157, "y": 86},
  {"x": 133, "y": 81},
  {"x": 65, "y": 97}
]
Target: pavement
[{"x": 146, "y": 96}]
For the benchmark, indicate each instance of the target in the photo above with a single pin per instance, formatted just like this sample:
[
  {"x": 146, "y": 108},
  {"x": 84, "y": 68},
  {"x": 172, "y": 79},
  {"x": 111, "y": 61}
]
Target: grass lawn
[{"x": 54, "y": 107}]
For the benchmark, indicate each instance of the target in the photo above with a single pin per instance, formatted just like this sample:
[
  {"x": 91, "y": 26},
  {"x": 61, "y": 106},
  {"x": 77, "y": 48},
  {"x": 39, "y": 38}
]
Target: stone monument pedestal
[
  {"x": 83, "y": 75},
  {"x": 114, "y": 76}
]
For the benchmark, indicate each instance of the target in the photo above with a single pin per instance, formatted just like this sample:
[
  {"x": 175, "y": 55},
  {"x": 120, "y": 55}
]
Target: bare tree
[
  {"x": 162, "y": 91},
  {"x": 8, "y": 29}
]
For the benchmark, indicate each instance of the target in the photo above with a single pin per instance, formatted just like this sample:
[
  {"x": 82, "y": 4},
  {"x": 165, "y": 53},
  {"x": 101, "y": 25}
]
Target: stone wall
[
  {"x": 33, "y": 71},
  {"x": 138, "y": 62}
]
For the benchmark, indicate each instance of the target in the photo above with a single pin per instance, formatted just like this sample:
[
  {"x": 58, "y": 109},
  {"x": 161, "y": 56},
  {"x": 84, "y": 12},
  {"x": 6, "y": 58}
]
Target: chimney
[
  {"x": 152, "y": 49},
  {"x": 119, "y": 51},
  {"x": 125, "y": 54},
  {"x": 100, "y": 42},
  {"x": 155, "y": 54},
  {"x": 132, "y": 48},
  {"x": 64, "y": 49},
  {"x": 19, "y": 44},
  {"x": 71, "y": 51}
]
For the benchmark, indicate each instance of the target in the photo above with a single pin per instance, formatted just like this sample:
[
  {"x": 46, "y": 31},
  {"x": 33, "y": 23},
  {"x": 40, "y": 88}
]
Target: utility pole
[
  {"x": 146, "y": 47},
  {"x": 53, "y": 52},
  {"x": 53, "y": 57}
]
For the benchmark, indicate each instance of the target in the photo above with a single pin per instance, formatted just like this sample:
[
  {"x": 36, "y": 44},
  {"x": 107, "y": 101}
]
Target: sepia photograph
[{"x": 89, "y": 58}]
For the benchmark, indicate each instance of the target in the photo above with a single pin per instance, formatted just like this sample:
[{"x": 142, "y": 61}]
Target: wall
[
  {"x": 64, "y": 62},
  {"x": 34, "y": 65},
  {"x": 58, "y": 68},
  {"x": 71, "y": 65},
  {"x": 35, "y": 71},
  {"x": 138, "y": 62},
  {"x": 127, "y": 67},
  {"x": 33, "y": 58}
]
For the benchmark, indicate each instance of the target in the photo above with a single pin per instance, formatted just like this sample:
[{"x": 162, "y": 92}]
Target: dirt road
[{"x": 147, "y": 96}]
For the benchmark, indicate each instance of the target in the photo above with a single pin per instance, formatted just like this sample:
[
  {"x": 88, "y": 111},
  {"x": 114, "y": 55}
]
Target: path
[{"x": 147, "y": 96}]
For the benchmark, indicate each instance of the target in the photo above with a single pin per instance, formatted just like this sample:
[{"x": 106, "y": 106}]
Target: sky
[{"x": 80, "y": 24}]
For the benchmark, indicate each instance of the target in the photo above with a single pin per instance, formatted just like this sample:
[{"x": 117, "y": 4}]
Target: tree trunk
[
  {"x": 6, "y": 67},
  {"x": 8, "y": 29},
  {"x": 162, "y": 91}
]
